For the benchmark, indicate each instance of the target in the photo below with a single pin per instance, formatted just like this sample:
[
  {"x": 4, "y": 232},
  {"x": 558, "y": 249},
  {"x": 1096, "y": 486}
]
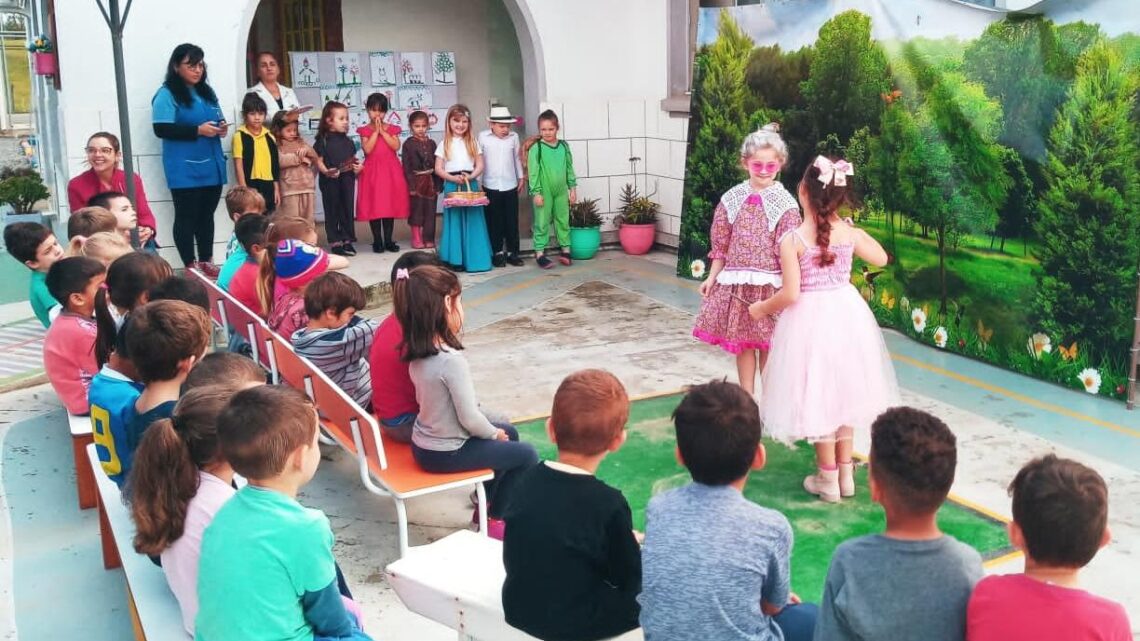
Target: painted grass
[{"x": 646, "y": 466}]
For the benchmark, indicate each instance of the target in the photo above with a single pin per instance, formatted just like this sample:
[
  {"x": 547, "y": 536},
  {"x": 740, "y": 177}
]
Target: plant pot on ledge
[
  {"x": 637, "y": 223},
  {"x": 585, "y": 229},
  {"x": 45, "y": 64}
]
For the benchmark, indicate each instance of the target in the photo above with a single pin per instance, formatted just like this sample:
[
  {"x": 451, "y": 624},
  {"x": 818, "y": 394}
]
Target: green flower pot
[{"x": 584, "y": 242}]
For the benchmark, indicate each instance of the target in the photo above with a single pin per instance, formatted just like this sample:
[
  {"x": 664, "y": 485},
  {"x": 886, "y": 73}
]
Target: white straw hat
[{"x": 501, "y": 115}]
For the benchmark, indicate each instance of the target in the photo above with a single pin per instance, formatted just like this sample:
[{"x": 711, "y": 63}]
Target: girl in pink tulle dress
[
  {"x": 747, "y": 224},
  {"x": 829, "y": 373}
]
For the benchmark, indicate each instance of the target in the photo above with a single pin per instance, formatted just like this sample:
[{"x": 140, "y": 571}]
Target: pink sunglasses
[{"x": 770, "y": 167}]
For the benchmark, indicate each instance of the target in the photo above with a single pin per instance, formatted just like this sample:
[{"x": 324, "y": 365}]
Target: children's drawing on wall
[
  {"x": 348, "y": 69},
  {"x": 412, "y": 69},
  {"x": 350, "y": 96},
  {"x": 443, "y": 67},
  {"x": 415, "y": 97},
  {"x": 305, "y": 73},
  {"x": 435, "y": 119},
  {"x": 357, "y": 118},
  {"x": 382, "y": 68}
]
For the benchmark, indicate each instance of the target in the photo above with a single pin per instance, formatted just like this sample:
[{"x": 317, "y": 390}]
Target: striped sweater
[{"x": 342, "y": 354}]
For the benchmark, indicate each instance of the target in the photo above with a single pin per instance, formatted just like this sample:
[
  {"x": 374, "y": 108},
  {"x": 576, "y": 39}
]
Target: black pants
[
  {"x": 502, "y": 216},
  {"x": 265, "y": 188},
  {"x": 382, "y": 231},
  {"x": 503, "y": 457},
  {"x": 194, "y": 221},
  {"x": 339, "y": 198}
]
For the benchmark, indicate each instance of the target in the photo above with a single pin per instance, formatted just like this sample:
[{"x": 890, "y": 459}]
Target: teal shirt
[
  {"x": 267, "y": 573},
  {"x": 551, "y": 169},
  {"x": 233, "y": 262},
  {"x": 41, "y": 299}
]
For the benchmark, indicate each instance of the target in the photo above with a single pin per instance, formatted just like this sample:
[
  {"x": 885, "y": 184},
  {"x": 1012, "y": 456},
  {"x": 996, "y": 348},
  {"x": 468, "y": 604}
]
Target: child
[
  {"x": 418, "y": 157},
  {"x": 734, "y": 584},
  {"x": 266, "y": 288},
  {"x": 464, "y": 245},
  {"x": 126, "y": 219},
  {"x": 178, "y": 483},
  {"x": 218, "y": 367},
  {"x": 825, "y": 380},
  {"x": 240, "y": 201},
  {"x": 338, "y": 167},
  {"x": 86, "y": 222},
  {"x": 250, "y": 231},
  {"x": 256, "y": 163},
  {"x": 273, "y": 555},
  {"x": 912, "y": 577},
  {"x": 295, "y": 265},
  {"x": 747, "y": 227},
  {"x": 129, "y": 278},
  {"x": 553, "y": 186},
  {"x": 1060, "y": 521},
  {"x": 36, "y": 247},
  {"x": 393, "y": 395},
  {"x": 165, "y": 339},
  {"x": 336, "y": 340},
  {"x": 563, "y": 522},
  {"x": 451, "y": 433},
  {"x": 69, "y": 345},
  {"x": 189, "y": 290},
  {"x": 103, "y": 246},
  {"x": 503, "y": 179},
  {"x": 380, "y": 198},
  {"x": 112, "y": 394},
  {"x": 297, "y": 158}
]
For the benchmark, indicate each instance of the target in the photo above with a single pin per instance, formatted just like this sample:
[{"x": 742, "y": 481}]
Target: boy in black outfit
[{"x": 573, "y": 562}]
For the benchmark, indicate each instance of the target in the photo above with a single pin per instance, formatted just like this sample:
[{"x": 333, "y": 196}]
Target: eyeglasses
[
  {"x": 770, "y": 167},
  {"x": 107, "y": 151},
  {"x": 201, "y": 64}
]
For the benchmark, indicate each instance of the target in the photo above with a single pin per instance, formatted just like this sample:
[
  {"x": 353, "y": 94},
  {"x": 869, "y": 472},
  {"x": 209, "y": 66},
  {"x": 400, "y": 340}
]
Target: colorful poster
[
  {"x": 347, "y": 69},
  {"x": 382, "y": 68},
  {"x": 412, "y": 69},
  {"x": 350, "y": 96},
  {"x": 415, "y": 97},
  {"x": 305, "y": 69},
  {"x": 443, "y": 67}
]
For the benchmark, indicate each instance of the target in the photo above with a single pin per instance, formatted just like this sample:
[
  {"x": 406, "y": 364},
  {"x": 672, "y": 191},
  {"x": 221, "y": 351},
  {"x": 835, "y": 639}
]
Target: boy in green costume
[{"x": 553, "y": 186}]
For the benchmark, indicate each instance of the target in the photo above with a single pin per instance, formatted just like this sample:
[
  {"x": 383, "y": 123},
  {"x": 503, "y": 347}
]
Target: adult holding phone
[
  {"x": 277, "y": 97},
  {"x": 191, "y": 124}
]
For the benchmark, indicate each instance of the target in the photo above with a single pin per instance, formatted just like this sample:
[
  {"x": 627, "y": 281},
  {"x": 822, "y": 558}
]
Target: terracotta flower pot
[{"x": 637, "y": 239}]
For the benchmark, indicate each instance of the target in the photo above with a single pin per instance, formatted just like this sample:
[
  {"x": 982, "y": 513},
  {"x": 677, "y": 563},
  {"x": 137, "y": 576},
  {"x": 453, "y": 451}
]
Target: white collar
[
  {"x": 775, "y": 199},
  {"x": 566, "y": 467}
]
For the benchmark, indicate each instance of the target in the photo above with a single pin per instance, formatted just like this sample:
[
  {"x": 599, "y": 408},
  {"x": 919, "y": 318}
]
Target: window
[
  {"x": 282, "y": 26},
  {"x": 682, "y": 47}
]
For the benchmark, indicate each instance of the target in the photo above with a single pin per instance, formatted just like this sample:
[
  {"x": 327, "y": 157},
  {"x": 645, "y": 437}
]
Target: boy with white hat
[{"x": 503, "y": 178}]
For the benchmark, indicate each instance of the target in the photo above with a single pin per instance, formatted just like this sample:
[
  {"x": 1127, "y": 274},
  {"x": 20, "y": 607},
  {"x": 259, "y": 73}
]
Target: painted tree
[
  {"x": 775, "y": 76},
  {"x": 1015, "y": 213},
  {"x": 849, "y": 74},
  {"x": 1089, "y": 217},
  {"x": 444, "y": 65},
  {"x": 716, "y": 129},
  {"x": 885, "y": 174}
]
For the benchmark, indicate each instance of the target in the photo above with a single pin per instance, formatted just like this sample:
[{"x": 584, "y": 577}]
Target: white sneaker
[
  {"x": 824, "y": 484},
  {"x": 847, "y": 479}
]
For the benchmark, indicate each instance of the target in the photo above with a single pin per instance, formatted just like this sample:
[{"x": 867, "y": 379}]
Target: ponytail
[
  {"x": 164, "y": 473},
  {"x": 826, "y": 193},
  {"x": 280, "y": 228},
  {"x": 105, "y": 328}
]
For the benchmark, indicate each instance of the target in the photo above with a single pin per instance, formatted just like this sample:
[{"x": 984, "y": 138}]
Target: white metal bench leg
[
  {"x": 481, "y": 495},
  {"x": 402, "y": 523}
]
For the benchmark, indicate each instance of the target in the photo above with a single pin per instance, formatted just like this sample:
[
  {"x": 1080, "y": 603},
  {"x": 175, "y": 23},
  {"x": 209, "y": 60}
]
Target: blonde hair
[
  {"x": 767, "y": 137},
  {"x": 468, "y": 137},
  {"x": 104, "y": 247}
]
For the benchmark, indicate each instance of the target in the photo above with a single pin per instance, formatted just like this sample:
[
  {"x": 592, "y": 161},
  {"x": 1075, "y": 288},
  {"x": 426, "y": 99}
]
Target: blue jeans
[
  {"x": 502, "y": 456},
  {"x": 797, "y": 621},
  {"x": 399, "y": 428}
]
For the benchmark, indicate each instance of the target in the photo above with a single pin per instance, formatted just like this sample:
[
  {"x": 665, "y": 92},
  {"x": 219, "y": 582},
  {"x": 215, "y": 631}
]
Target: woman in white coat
[{"x": 277, "y": 97}]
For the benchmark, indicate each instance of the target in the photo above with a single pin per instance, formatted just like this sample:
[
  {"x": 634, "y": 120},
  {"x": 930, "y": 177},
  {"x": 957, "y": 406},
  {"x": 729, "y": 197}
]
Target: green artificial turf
[{"x": 646, "y": 465}]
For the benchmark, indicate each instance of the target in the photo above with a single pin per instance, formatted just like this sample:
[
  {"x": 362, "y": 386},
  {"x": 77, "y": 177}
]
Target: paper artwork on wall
[
  {"x": 306, "y": 72},
  {"x": 347, "y": 69},
  {"x": 350, "y": 96},
  {"x": 435, "y": 119},
  {"x": 382, "y": 68},
  {"x": 443, "y": 67},
  {"x": 412, "y": 69},
  {"x": 415, "y": 98},
  {"x": 357, "y": 118}
]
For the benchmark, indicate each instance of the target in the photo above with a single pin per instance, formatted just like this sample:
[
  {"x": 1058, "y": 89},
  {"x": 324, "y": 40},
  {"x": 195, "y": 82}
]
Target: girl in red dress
[{"x": 382, "y": 191}]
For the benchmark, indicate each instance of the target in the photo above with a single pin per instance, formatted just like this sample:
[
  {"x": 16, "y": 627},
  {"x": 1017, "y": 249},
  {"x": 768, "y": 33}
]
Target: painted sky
[{"x": 795, "y": 23}]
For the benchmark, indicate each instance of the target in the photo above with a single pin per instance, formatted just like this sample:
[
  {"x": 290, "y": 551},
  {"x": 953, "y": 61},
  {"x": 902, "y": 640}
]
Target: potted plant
[
  {"x": 585, "y": 229},
  {"x": 43, "y": 56},
  {"x": 637, "y": 223},
  {"x": 22, "y": 191}
]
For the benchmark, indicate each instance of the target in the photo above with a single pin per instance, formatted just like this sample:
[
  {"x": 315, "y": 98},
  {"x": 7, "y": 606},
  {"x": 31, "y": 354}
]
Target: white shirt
[
  {"x": 288, "y": 100},
  {"x": 502, "y": 168},
  {"x": 460, "y": 159}
]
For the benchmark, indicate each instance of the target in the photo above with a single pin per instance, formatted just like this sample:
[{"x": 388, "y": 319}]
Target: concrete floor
[{"x": 526, "y": 329}]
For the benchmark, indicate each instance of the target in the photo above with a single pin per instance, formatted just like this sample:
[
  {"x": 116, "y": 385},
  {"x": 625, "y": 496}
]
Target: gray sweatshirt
[{"x": 449, "y": 413}]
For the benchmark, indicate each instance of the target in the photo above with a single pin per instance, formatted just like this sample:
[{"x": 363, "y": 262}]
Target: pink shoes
[{"x": 831, "y": 485}]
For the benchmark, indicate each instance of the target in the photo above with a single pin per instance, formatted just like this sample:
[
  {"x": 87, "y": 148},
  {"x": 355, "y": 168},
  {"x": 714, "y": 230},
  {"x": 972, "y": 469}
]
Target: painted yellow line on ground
[
  {"x": 978, "y": 508},
  {"x": 1005, "y": 558},
  {"x": 496, "y": 295},
  {"x": 632, "y": 399},
  {"x": 1057, "y": 409}
]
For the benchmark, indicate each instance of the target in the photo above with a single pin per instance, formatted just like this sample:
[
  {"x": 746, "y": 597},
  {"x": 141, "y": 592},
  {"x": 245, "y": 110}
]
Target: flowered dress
[{"x": 746, "y": 232}]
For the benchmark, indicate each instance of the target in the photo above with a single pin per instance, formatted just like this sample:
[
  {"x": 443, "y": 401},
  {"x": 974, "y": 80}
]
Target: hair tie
[
  {"x": 105, "y": 287},
  {"x": 401, "y": 274},
  {"x": 837, "y": 171}
]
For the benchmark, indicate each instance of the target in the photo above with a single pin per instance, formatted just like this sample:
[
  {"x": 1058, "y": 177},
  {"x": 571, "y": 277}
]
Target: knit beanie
[{"x": 298, "y": 263}]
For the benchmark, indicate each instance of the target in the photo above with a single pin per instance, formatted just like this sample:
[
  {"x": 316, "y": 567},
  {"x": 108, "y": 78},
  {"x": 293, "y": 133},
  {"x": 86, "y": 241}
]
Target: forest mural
[{"x": 996, "y": 156}]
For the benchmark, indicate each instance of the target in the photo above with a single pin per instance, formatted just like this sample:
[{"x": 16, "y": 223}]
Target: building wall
[{"x": 600, "y": 64}]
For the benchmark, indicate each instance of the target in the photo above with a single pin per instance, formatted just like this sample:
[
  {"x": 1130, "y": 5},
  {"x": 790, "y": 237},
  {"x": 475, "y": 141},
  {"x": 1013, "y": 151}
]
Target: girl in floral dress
[{"x": 747, "y": 227}]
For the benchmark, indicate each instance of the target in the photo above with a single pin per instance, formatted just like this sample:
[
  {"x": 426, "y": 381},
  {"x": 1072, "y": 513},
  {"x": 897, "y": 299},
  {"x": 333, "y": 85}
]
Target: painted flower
[
  {"x": 1039, "y": 344},
  {"x": 940, "y": 336},
  {"x": 1090, "y": 378},
  {"x": 918, "y": 317},
  {"x": 904, "y": 303},
  {"x": 697, "y": 269},
  {"x": 887, "y": 300}
]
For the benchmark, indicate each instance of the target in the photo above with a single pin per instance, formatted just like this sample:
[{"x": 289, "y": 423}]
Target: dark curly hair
[
  {"x": 913, "y": 457},
  {"x": 824, "y": 200},
  {"x": 1062, "y": 509}
]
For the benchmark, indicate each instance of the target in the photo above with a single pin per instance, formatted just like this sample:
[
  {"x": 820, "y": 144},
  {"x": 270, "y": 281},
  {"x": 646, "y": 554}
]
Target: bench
[
  {"x": 81, "y": 437},
  {"x": 457, "y": 581},
  {"x": 155, "y": 615}
]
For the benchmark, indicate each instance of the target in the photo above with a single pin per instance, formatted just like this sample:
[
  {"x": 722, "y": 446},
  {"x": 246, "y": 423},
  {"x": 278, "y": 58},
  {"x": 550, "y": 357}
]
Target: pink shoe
[
  {"x": 210, "y": 270},
  {"x": 847, "y": 479},
  {"x": 824, "y": 484}
]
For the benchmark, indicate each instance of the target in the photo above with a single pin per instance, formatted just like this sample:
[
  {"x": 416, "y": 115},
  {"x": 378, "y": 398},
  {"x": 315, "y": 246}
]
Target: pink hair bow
[
  {"x": 401, "y": 274},
  {"x": 837, "y": 171}
]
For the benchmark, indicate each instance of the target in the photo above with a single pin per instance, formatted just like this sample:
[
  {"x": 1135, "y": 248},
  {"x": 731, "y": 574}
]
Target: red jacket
[{"x": 81, "y": 188}]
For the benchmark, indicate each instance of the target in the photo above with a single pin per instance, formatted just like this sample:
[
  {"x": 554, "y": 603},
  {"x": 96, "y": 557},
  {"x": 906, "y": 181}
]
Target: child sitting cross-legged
[
  {"x": 716, "y": 565},
  {"x": 69, "y": 346},
  {"x": 912, "y": 581},
  {"x": 267, "y": 569},
  {"x": 1060, "y": 522},
  {"x": 336, "y": 340},
  {"x": 564, "y": 523}
]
